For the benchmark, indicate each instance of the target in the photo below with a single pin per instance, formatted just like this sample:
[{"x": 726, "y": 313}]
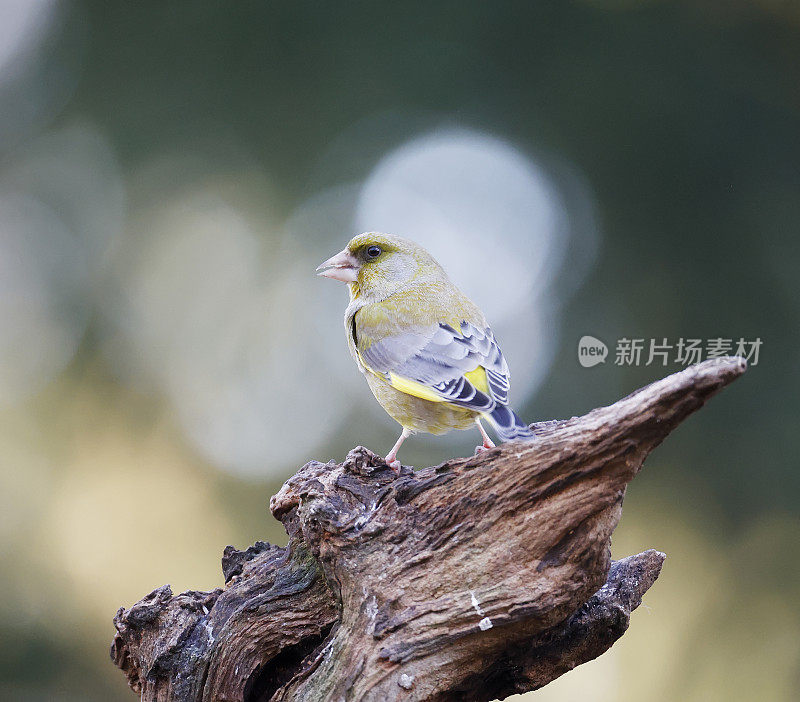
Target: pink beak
[{"x": 343, "y": 266}]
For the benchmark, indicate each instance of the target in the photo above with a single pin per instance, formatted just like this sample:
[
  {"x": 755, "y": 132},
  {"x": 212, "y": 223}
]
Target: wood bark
[{"x": 471, "y": 580}]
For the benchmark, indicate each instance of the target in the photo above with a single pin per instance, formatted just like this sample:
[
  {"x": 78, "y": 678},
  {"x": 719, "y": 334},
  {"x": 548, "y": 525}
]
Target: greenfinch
[{"x": 427, "y": 352}]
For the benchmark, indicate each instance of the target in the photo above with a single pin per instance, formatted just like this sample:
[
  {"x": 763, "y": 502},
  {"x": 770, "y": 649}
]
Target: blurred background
[{"x": 172, "y": 172}]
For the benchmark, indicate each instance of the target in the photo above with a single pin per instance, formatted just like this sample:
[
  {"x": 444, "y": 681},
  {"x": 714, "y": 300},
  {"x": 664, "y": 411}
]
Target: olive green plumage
[{"x": 426, "y": 349}]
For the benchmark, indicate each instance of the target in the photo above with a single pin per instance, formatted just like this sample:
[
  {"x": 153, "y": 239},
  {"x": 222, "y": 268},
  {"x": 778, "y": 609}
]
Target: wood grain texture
[{"x": 471, "y": 580}]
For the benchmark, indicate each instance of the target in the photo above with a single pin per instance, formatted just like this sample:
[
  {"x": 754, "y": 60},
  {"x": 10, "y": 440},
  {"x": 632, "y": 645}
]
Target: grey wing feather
[{"x": 440, "y": 358}]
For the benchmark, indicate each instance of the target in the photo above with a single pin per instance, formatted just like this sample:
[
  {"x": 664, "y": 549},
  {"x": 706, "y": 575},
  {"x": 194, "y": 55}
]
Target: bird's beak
[{"x": 343, "y": 266}]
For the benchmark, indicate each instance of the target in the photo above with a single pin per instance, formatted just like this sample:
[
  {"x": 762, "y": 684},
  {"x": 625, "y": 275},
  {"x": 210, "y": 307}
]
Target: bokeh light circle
[
  {"x": 498, "y": 223},
  {"x": 43, "y": 289}
]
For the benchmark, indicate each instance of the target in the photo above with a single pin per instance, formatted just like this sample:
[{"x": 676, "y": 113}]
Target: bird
[{"x": 426, "y": 350}]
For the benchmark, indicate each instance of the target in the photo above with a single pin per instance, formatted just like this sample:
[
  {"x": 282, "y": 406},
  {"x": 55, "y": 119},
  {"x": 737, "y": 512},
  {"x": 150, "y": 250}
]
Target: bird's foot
[
  {"x": 485, "y": 446},
  {"x": 395, "y": 465}
]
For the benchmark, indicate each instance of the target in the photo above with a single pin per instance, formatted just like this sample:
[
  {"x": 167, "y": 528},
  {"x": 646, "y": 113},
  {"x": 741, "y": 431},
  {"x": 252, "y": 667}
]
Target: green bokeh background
[{"x": 683, "y": 119}]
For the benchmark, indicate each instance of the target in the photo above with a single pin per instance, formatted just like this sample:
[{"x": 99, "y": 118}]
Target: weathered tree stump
[{"x": 471, "y": 580}]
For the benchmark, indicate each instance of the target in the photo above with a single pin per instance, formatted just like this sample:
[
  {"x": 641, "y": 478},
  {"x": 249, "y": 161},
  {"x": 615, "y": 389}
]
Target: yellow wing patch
[
  {"x": 478, "y": 379},
  {"x": 412, "y": 387}
]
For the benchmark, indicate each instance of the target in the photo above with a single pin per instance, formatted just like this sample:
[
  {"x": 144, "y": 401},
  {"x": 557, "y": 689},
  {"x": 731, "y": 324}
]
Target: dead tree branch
[{"x": 471, "y": 580}]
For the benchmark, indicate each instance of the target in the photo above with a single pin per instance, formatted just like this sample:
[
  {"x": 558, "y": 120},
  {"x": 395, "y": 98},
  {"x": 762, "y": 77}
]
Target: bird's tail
[{"x": 508, "y": 425}]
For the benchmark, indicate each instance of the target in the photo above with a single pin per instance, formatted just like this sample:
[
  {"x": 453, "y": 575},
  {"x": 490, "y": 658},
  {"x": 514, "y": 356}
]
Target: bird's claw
[
  {"x": 394, "y": 465},
  {"x": 485, "y": 446}
]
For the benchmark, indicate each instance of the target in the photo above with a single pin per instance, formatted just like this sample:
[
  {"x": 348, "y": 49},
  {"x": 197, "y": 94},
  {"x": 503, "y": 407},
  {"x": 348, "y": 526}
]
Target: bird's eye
[{"x": 374, "y": 251}]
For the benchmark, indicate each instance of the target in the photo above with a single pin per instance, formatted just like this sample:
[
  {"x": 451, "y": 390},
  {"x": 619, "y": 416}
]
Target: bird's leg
[
  {"x": 487, "y": 442},
  {"x": 391, "y": 458}
]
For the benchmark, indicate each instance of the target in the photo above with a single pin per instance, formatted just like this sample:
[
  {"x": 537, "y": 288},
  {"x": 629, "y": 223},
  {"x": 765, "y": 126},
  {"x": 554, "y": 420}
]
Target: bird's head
[{"x": 380, "y": 264}]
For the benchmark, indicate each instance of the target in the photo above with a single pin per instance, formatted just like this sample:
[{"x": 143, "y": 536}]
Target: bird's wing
[{"x": 442, "y": 364}]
